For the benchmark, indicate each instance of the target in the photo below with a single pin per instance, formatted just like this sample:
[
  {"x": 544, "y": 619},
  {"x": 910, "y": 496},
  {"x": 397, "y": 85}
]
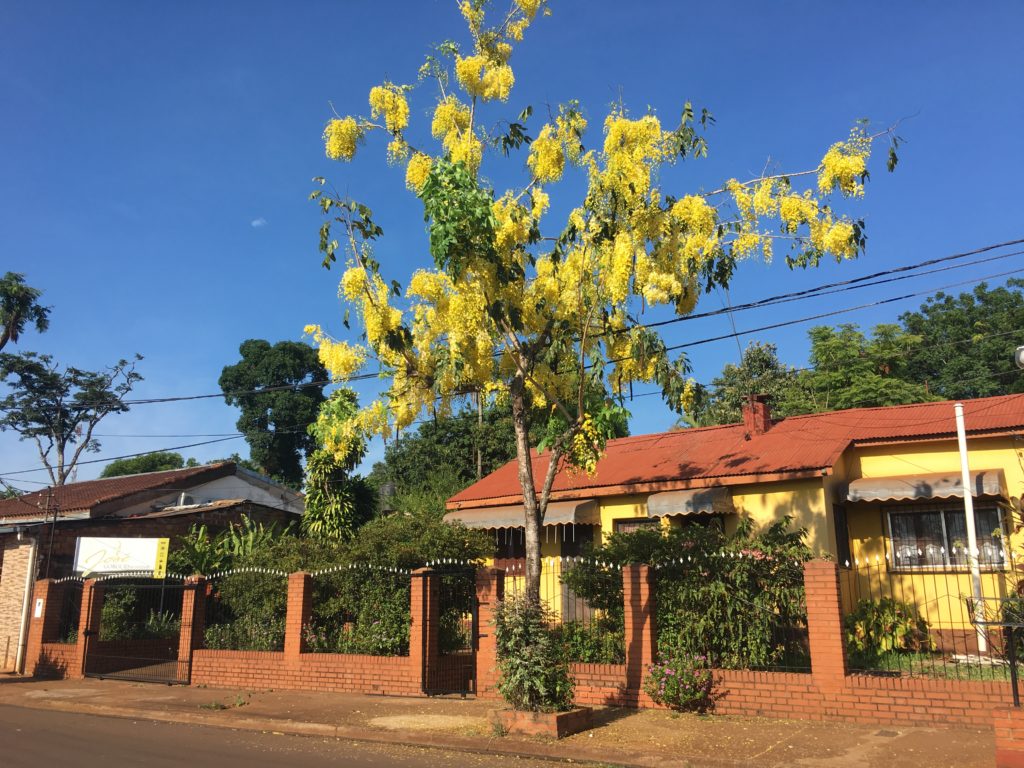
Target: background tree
[
  {"x": 19, "y": 306},
  {"x": 59, "y": 409},
  {"x": 552, "y": 322},
  {"x": 279, "y": 389},
  {"x": 967, "y": 342},
  {"x": 158, "y": 461},
  {"x": 760, "y": 372},
  {"x": 850, "y": 370},
  {"x": 337, "y": 502}
]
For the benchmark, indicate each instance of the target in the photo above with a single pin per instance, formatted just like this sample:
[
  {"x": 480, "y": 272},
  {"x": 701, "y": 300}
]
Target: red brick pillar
[
  {"x": 490, "y": 590},
  {"x": 423, "y": 631},
  {"x": 825, "y": 623},
  {"x": 193, "y": 618},
  {"x": 45, "y": 626},
  {"x": 1009, "y": 732},
  {"x": 88, "y": 624},
  {"x": 641, "y": 634},
  {"x": 300, "y": 608}
]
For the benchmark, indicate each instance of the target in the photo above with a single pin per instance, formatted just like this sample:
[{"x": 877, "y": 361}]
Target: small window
[
  {"x": 936, "y": 537},
  {"x": 633, "y": 524}
]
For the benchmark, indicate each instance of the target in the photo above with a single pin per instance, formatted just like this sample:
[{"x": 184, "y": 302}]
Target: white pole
[
  {"x": 972, "y": 537},
  {"x": 26, "y": 608}
]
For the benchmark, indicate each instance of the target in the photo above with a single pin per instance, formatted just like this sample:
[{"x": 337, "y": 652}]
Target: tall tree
[
  {"x": 760, "y": 372},
  {"x": 279, "y": 389},
  {"x": 337, "y": 502},
  {"x": 19, "y": 306},
  {"x": 851, "y": 370},
  {"x": 59, "y": 408},
  {"x": 968, "y": 342},
  {"x": 158, "y": 461},
  {"x": 545, "y": 320}
]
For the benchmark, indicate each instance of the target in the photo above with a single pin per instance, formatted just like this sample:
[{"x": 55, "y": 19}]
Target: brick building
[{"x": 39, "y": 531}]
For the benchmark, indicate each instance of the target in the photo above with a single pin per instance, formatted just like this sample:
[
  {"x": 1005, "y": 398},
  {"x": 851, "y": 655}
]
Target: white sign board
[
  {"x": 39, "y": 608},
  {"x": 95, "y": 555}
]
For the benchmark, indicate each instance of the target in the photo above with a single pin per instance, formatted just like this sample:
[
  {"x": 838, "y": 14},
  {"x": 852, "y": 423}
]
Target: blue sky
[{"x": 157, "y": 158}]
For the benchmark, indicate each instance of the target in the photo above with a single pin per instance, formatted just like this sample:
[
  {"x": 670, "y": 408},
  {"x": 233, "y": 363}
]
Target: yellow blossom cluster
[
  {"x": 586, "y": 447},
  {"x": 340, "y": 358},
  {"x": 484, "y": 79},
  {"x": 389, "y": 100},
  {"x": 631, "y": 150},
  {"x": 546, "y": 159},
  {"x": 398, "y": 150},
  {"x": 340, "y": 437},
  {"x": 844, "y": 165},
  {"x": 368, "y": 291},
  {"x": 340, "y": 138},
  {"x": 417, "y": 170}
]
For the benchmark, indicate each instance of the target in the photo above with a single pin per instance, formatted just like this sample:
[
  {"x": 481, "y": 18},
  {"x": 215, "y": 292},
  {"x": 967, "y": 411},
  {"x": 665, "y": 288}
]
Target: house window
[
  {"x": 633, "y": 524},
  {"x": 936, "y": 537},
  {"x": 510, "y": 544}
]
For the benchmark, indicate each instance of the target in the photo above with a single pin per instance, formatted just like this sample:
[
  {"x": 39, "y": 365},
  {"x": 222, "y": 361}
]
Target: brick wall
[{"x": 16, "y": 555}]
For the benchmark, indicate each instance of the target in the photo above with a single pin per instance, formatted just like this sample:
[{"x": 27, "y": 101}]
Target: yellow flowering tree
[{"x": 549, "y": 316}]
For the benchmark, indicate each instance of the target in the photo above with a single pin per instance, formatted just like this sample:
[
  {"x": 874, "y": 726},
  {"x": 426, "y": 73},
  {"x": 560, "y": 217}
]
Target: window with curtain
[{"x": 936, "y": 537}]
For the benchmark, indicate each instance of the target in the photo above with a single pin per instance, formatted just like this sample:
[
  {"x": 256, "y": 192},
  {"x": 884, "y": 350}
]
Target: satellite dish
[{"x": 1018, "y": 357}]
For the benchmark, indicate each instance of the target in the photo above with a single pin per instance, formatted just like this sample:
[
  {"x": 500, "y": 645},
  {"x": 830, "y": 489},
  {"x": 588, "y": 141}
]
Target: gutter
[{"x": 26, "y": 607}]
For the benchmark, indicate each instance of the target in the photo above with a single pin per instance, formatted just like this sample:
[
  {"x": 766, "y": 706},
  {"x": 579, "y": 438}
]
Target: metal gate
[
  {"x": 137, "y": 633},
  {"x": 453, "y": 670}
]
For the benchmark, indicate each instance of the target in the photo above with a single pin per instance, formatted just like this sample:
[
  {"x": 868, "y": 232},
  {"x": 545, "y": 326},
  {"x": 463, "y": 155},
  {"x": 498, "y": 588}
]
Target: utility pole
[
  {"x": 972, "y": 537},
  {"x": 479, "y": 434}
]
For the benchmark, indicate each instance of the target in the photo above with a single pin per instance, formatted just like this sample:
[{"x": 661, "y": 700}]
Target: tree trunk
[{"x": 534, "y": 509}]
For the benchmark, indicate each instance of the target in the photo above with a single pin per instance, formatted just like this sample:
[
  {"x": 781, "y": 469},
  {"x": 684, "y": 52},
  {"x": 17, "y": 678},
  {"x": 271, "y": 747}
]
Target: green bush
[
  {"x": 246, "y": 612},
  {"x": 681, "y": 681},
  {"x": 360, "y": 610},
  {"x": 246, "y": 633},
  {"x": 737, "y": 599},
  {"x": 534, "y": 675},
  {"x": 879, "y": 627}
]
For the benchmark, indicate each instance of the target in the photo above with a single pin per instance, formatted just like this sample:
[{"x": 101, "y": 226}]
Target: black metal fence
[
  {"x": 246, "y": 610},
  {"x": 588, "y": 630},
  {"x": 139, "y": 631},
  {"x": 359, "y": 609},
  {"x": 917, "y": 621},
  {"x": 454, "y": 670},
  {"x": 70, "y": 596}
]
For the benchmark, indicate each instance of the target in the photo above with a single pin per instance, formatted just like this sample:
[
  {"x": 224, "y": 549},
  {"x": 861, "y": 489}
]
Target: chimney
[{"x": 757, "y": 416}]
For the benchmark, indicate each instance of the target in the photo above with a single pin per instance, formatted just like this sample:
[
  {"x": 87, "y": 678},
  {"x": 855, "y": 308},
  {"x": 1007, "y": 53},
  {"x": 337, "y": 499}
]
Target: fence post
[
  {"x": 44, "y": 626},
  {"x": 423, "y": 631},
  {"x": 300, "y": 604},
  {"x": 825, "y": 623},
  {"x": 88, "y": 624},
  {"x": 193, "y": 619},
  {"x": 641, "y": 634},
  {"x": 490, "y": 590}
]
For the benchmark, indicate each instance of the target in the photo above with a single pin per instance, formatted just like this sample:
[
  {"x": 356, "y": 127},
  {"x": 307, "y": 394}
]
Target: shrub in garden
[
  {"x": 879, "y": 627},
  {"x": 681, "y": 681},
  {"x": 602, "y": 641},
  {"x": 534, "y": 673}
]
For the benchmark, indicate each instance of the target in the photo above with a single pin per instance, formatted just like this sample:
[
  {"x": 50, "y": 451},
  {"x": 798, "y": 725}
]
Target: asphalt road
[{"x": 30, "y": 738}]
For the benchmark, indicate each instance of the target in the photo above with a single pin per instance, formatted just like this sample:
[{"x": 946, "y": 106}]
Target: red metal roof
[
  {"x": 798, "y": 446},
  {"x": 86, "y": 496}
]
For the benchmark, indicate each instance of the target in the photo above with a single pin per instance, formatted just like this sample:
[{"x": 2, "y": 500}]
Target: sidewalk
[{"x": 623, "y": 737}]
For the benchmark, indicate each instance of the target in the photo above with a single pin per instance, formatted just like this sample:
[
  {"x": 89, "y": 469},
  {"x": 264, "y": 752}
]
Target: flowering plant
[{"x": 681, "y": 681}]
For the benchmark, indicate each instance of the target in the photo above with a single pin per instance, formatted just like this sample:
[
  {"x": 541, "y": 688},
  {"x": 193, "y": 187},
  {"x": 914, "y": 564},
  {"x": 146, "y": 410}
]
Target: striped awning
[
  {"x": 699, "y": 501},
  {"x": 579, "y": 512},
  {"x": 941, "y": 485}
]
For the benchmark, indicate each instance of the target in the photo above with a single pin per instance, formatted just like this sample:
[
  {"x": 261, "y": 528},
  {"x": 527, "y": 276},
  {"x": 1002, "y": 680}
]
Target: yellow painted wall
[{"x": 802, "y": 500}]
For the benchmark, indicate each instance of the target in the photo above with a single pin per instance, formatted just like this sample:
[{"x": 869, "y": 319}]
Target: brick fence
[{"x": 827, "y": 692}]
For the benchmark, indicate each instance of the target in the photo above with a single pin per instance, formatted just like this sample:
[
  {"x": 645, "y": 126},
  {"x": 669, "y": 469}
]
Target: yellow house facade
[{"x": 877, "y": 489}]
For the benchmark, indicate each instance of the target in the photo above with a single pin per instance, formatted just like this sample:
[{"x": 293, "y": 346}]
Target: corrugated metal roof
[
  {"x": 87, "y": 495},
  {"x": 798, "y": 446}
]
